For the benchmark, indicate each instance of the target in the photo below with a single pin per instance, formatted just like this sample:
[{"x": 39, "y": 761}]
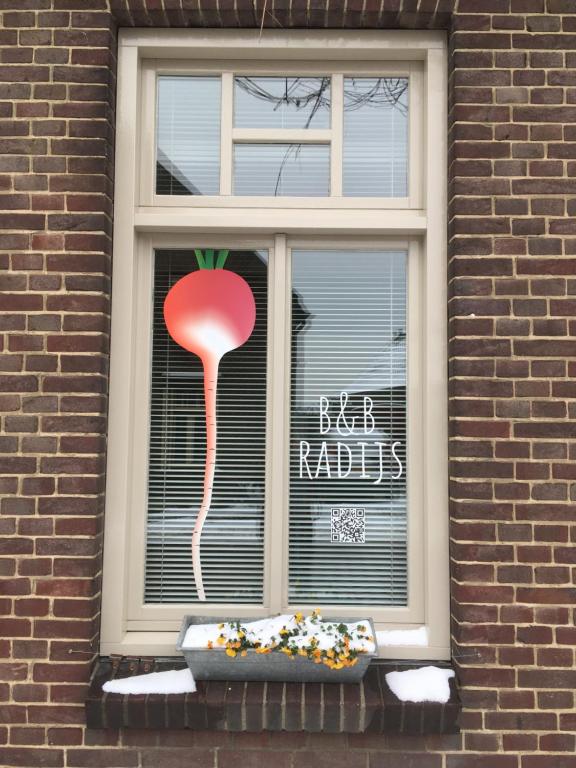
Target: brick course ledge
[{"x": 366, "y": 707}]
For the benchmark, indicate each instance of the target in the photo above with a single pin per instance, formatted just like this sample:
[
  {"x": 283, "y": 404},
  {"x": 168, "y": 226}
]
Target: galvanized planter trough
[{"x": 214, "y": 664}]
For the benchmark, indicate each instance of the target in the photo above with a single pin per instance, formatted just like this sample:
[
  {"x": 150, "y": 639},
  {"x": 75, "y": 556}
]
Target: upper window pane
[
  {"x": 375, "y": 161},
  {"x": 188, "y": 136},
  {"x": 282, "y": 102}
]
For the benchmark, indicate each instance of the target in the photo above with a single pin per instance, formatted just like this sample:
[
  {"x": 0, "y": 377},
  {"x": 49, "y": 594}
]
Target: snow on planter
[
  {"x": 423, "y": 684},
  {"x": 171, "y": 681},
  {"x": 334, "y": 643}
]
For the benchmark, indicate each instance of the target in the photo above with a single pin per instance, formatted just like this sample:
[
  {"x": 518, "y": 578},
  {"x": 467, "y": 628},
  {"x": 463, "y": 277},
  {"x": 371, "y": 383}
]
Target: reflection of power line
[
  {"x": 299, "y": 92},
  {"x": 381, "y": 91},
  {"x": 314, "y": 93}
]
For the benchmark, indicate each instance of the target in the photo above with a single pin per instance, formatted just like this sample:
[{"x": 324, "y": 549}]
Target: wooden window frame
[{"x": 145, "y": 222}]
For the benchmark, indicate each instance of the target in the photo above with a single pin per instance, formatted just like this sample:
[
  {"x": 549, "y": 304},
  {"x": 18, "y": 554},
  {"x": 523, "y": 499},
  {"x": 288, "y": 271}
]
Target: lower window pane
[
  {"x": 348, "y": 510},
  {"x": 301, "y": 170},
  {"x": 232, "y": 542}
]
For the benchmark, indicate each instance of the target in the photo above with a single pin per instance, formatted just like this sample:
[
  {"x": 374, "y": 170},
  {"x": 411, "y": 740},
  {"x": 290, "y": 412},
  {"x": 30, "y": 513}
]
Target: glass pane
[
  {"x": 232, "y": 540},
  {"x": 188, "y": 131},
  {"x": 282, "y": 169},
  {"x": 282, "y": 102},
  {"x": 348, "y": 524},
  {"x": 375, "y": 162}
]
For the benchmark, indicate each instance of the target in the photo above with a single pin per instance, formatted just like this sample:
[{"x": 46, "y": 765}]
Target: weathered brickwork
[{"x": 512, "y": 346}]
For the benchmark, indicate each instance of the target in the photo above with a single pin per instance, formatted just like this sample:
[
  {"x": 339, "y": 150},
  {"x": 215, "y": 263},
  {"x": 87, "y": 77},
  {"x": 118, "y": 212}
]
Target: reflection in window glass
[
  {"x": 348, "y": 505},
  {"x": 188, "y": 136},
  {"x": 375, "y": 153},
  {"x": 282, "y": 102},
  {"x": 282, "y": 169},
  {"x": 233, "y": 536}
]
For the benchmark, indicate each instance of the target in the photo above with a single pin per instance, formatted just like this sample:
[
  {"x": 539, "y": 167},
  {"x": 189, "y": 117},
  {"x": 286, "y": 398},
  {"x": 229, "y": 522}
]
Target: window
[{"x": 312, "y": 167}]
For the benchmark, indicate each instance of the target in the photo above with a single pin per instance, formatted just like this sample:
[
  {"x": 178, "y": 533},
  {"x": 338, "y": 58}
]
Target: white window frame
[{"x": 145, "y": 221}]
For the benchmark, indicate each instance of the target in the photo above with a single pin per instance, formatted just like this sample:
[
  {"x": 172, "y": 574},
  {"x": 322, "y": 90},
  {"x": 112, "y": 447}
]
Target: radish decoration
[{"x": 209, "y": 312}]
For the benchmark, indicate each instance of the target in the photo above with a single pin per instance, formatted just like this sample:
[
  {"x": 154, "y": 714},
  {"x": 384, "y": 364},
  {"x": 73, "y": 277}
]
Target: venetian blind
[
  {"x": 232, "y": 544},
  {"x": 348, "y": 505}
]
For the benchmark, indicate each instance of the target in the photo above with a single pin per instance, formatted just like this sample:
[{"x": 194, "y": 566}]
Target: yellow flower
[
  {"x": 243, "y": 653},
  {"x": 299, "y": 618},
  {"x": 221, "y": 640},
  {"x": 230, "y": 652}
]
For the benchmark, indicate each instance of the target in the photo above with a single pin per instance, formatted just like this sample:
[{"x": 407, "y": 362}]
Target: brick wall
[{"x": 512, "y": 364}]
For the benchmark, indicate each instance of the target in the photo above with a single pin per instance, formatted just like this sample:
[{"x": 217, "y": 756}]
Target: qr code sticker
[{"x": 348, "y": 525}]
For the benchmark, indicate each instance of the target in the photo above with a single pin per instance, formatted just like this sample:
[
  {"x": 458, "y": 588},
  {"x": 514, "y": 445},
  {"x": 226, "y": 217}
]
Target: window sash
[
  {"x": 278, "y": 431},
  {"x": 230, "y": 136}
]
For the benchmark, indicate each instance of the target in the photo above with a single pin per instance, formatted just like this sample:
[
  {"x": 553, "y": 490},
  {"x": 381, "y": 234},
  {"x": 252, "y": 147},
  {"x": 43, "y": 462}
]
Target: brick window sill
[{"x": 366, "y": 707}]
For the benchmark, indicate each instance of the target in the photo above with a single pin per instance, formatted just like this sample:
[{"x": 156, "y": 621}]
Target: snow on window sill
[{"x": 366, "y": 707}]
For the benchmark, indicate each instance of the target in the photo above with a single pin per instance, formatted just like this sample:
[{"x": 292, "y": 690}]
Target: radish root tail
[{"x": 210, "y": 386}]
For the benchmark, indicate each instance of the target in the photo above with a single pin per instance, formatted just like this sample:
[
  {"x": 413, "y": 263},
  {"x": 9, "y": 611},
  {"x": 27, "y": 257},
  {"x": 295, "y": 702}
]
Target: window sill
[{"x": 366, "y": 707}]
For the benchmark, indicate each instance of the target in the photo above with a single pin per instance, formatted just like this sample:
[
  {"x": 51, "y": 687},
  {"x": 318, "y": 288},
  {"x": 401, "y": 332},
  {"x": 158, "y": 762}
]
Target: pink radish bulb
[{"x": 209, "y": 312}]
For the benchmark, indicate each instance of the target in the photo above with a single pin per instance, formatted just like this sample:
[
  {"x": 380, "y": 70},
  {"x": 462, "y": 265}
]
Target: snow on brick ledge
[{"x": 369, "y": 706}]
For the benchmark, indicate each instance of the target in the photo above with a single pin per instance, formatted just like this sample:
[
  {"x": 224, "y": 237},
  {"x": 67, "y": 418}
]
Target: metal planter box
[{"x": 214, "y": 664}]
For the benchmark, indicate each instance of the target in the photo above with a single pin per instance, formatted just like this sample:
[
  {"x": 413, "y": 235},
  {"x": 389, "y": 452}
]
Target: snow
[
  {"x": 403, "y": 636},
  {"x": 423, "y": 684},
  {"x": 327, "y": 635},
  {"x": 172, "y": 681},
  {"x": 262, "y": 631},
  {"x": 267, "y": 631}
]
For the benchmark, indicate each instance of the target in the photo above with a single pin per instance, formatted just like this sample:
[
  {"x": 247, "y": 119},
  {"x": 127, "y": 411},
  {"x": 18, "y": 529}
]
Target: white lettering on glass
[
  {"x": 375, "y": 460},
  {"x": 304, "y": 445}
]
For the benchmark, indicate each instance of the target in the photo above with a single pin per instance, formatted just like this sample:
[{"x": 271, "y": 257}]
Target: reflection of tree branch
[
  {"x": 291, "y": 148},
  {"x": 298, "y": 92},
  {"x": 381, "y": 91},
  {"x": 313, "y": 94},
  {"x": 301, "y": 92}
]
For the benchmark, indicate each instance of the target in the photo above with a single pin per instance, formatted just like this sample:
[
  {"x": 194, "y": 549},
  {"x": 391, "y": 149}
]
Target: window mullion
[
  {"x": 227, "y": 118},
  {"x": 278, "y": 420},
  {"x": 337, "y": 135}
]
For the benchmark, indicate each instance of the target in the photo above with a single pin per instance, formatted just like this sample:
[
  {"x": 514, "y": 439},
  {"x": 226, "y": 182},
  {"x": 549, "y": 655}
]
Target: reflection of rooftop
[{"x": 175, "y": 180}]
